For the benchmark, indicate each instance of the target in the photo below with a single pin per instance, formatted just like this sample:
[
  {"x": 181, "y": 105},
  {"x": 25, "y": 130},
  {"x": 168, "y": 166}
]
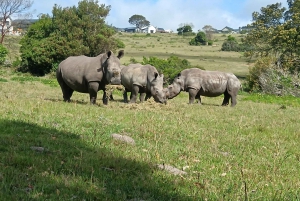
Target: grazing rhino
[
  {"x": 206, "y": 83},
  {"x": 143, "y": 79},
  {"x": 89, "y": 74}
]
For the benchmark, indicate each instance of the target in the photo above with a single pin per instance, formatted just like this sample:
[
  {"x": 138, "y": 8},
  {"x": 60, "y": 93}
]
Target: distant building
[
  {"x": 6, "y": 25},
  {"x": 148, "y": 29},
  {"x": 131, "y": 29},
  {"x": 160, "y": 30}
]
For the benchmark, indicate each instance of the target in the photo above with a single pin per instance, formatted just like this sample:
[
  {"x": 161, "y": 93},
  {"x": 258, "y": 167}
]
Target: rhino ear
[
  {"x": 179, "y": 74},
  {"x": 155, "y": 75},
  {"x": 109, "y": 53},
  {"x": 121, "y": 54}
]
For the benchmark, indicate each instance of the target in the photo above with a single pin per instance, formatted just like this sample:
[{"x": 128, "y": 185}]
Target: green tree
[
  {"x": 139, "y": 21},
  {"x": 3, "y": 53},
  {"x": 276, "y": 33},
  {"x": 185, "y": 29},
  {"x": 70, "y": 31},
  {"x": 200, "y": 39}
]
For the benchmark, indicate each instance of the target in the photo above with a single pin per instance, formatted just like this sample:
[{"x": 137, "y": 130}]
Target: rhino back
[
  {"x": 210, "y": 83},
  {"x": 77, "y": 71},
  {"x": 134, "y": 74}
]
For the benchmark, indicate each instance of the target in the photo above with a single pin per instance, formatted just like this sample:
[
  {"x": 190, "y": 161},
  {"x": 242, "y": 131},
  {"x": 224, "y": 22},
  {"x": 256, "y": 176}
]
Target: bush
[
  {"x": 231, "y": 44},
  {"x": 120, "y": 43},
  {"x": 169, "y": 67},
  {"x": 261, "y": 66},
  {"x": 3, "y": 53},
  {"x": 200, "y": 39}
]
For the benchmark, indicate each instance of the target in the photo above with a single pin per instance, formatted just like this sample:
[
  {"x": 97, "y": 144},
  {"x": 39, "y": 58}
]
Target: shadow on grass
[{"x": 69, "y": 169}]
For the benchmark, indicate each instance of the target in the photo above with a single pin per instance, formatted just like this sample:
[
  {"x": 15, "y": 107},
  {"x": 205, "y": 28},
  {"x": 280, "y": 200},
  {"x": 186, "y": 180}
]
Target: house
[
  {"x": 6, "y": 25},
  {"x": 246, "y": 29},
  {"x": 131, "y": 29},
  {"x": 160, "y": 30},
  {"x": 227, "y": 30},
  {"x": 148, "y": 29}
]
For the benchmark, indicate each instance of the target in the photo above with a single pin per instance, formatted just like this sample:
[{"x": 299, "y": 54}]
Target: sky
[{"x": 170, "y": 14}]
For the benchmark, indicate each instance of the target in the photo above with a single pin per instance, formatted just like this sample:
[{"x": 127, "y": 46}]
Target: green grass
[{"x": 247, "y": 152}]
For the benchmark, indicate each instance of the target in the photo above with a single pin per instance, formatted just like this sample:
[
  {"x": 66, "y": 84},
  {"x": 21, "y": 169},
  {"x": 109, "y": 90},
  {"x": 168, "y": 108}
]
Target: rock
[
  {"x": 39, "y": 149},
  {"x": 171, "y": 169},
  {"x": 123, "y": 138}
]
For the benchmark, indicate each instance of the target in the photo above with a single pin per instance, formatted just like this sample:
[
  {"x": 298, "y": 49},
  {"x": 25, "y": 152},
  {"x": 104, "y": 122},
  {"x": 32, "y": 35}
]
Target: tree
[
  {"x": 70, "y": 31},
  {"x": 200, "y": 39},
  {"x": 209, "y": 31},
  {"x": 276, "y": 33},
  {"x": 185, "y": 29},
  {"x": 139, "y": 21},
  {"x": 9, "y": 8}
]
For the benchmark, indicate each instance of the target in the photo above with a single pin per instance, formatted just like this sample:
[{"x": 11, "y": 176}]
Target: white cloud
[{"x": 169, "y": 14}]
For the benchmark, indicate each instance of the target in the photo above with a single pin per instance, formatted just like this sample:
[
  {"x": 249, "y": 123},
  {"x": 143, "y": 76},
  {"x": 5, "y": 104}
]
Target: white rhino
[
  {"x": 89, "y": 74},
  {"x": 143, "y": 79},
  {"x": 206, "y": 83}
]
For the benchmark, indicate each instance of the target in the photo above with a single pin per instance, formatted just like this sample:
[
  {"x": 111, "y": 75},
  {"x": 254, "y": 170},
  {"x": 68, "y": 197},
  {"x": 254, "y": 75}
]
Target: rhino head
[
  {"x": 157, "y": 89},
  {"x": 175, "y": 88},
  {"x": 111, "y": 67}
]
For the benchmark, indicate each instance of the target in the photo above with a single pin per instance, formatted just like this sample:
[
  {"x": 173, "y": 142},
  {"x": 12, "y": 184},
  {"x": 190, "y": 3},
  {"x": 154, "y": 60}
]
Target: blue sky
[{"x": 169, "y": 14}]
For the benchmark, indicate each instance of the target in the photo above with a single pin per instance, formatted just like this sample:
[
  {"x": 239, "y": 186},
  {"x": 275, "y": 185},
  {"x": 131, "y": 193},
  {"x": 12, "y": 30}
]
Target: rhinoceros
[
  {"x": 143, "y": 79},
  {"x": 206, "y": 83},
  {"x": 89, "y": 74}
]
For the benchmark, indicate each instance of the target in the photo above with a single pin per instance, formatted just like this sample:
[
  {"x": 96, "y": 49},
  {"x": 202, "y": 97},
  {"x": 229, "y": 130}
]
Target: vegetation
[
  {"x": 170, "y": 67},
  {"x": 139, "y": 21},
  {"x": 70, "y": 31},
  {"x": 52, "y": 150},
  {"x": 200, "y": 39},
  {"x": 275, "y": 37},
  {"x": 3, "y": 53},
  {"x": 185, "y": 30}
]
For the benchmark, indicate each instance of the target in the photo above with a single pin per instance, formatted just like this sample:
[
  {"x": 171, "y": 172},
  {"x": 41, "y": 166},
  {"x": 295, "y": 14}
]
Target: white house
[
  {"x": 148, "y": 29},
  {"x": 6, "y": 26}
]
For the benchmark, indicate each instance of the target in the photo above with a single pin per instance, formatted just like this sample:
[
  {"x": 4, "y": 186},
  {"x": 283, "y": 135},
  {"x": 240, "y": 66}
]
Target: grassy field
[
  {"x": 163, "y": 45},
  {"x": 249, "y": 152}
]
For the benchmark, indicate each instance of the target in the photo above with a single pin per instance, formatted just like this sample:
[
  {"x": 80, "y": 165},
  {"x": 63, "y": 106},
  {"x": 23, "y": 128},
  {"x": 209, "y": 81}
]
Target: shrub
[
  {"x": 120, "y": 43},
  {"x": 200, "y": 39},
  {"x": 3, "y": 53},
  {"x": 169, "y": 67},
  {"x": 261, "y": 66}
]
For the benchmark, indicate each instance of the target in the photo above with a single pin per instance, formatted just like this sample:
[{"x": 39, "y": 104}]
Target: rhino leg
[
  {"x": 105, "y": 97},
  {"x": 192, "y": 95},
  {"x": 93, "y": 89},
  {"x": 233, "y": 98},
  {"x": 134, "y": 93},
  {"x": 198, "y": 98},
  {"x": 125, "y": 96},
  {"x": 143, "y": 97},
  {"x": 66, "y": 90},
  {"x": 226, "y": 98}
]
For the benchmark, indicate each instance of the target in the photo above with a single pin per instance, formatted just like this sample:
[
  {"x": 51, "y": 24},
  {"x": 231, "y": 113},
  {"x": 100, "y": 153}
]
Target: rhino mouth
[{"x": 115, "y": 81}]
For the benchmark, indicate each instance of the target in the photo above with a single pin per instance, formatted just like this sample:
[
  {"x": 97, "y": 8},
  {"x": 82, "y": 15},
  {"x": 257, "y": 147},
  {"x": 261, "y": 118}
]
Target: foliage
[
  {"x": 120, "y": 43},
  {"x": 231, "y": 44},
  {"x": 70, "y": 31},
  {"x": 276, "y": 32},
  {"x": 3, "y": 53},
  {"x": 185, "y": 30},
  {"x": 8, "y": 8},
  {"x": 139, "y": 21},
  {"x": 200, "y": 39},
  {"x": 261, "y": 66},
  {"x": 170, "y": 67},
  {"x": 209, "y": 32}
]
